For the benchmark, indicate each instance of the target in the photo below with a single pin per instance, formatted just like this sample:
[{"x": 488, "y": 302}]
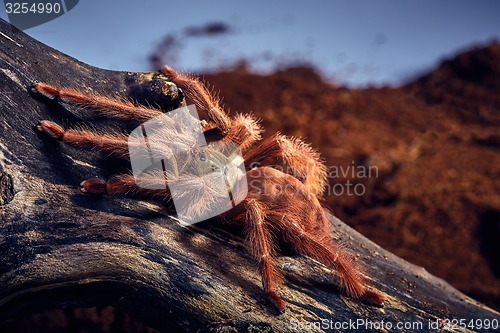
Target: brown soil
[{"x": 434, "y": 197}]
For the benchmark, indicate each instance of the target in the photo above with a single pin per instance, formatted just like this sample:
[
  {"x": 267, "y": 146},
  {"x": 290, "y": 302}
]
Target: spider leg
[
  {"x": 202, "y": 97},
  {"x": 115, "y": 144},
  {"x": 326, "y": 252},
  {"x": 125, "y": 185},
  {"x": 245, "y": 131},
  {"x": 291, "y": 156},
  {"x": 260, "y": 246},
  {"x": 296, "y": 215},
  {"x": 104, "y": 106}
]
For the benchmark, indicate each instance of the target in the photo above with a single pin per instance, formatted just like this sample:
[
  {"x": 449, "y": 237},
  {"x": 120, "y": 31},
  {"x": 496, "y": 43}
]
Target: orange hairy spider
[{"x": 267, "y": 213}]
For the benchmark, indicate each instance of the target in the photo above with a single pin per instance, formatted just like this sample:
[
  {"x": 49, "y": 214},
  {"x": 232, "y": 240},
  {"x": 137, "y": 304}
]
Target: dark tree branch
[{"x": 59, "y": 247}]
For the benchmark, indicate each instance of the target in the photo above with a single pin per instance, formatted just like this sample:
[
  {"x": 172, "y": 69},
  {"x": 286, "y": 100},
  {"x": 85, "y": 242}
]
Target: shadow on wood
[{"x": 61, "y": 248}]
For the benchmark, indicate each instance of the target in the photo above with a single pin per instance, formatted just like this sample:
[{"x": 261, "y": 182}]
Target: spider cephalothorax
[{"x": 285, "y": 178}]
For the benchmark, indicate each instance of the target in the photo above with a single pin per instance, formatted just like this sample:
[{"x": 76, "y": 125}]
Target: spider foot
[
  {"x": 94, "y": 186},
  {"x": 51, "y": 129},
  {"x": 45, "y": 90},
  {"x": 277, "y": 301},
  {"x": 373, "y": 298}
]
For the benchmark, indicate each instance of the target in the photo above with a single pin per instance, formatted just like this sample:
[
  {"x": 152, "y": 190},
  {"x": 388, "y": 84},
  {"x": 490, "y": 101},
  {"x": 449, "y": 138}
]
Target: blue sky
[{"x": 353, "y": 42}]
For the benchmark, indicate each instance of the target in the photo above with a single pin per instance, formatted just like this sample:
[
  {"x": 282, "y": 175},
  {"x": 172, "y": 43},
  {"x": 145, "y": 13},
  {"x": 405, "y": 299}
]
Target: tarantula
[{"x": 268, "y": 213}]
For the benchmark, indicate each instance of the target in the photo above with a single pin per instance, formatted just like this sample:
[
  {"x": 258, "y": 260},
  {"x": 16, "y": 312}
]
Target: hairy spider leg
[
  {"x": 104, "y": 106},
  {"x": 290, "y": 211},
  {"x": 260, "y": 245},
  {"x": 126, "y": 185},
  {"x": 245, "y": 131},
  {"x": 291, "y": 156},
  {"x": 115, "y": 144},
  {"x": 324, "y": 251},
  {"x": 202, "y": 97}
]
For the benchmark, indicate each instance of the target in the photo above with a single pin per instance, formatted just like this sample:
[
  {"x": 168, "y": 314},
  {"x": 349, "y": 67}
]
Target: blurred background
[
  {"x": 408, "y": 87},
  {"x": 355, "y": 42}
]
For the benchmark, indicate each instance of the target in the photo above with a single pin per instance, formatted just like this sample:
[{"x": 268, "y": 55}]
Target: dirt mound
[
  {"x": 470, "y": 82},
  {"x": 414, "y": 168}
]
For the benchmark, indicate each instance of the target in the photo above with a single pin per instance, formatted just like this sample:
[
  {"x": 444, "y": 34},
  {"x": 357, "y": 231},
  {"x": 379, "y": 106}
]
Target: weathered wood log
[{"x": 59, "y": 247}]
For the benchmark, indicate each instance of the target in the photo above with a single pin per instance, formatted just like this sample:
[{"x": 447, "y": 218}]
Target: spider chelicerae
[{"x": 268, "y": 213}]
